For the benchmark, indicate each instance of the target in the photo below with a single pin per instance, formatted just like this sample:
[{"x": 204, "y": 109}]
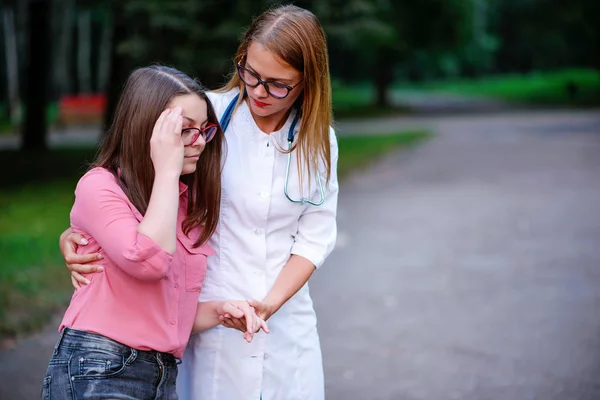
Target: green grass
[
  {"x": 33, "y": 280},
  {"x": 35, "y": 205},
  {"x": 542, "y": 88},
  {"x": 356, "y": 152},
  {"x": 358, "y": 101}
]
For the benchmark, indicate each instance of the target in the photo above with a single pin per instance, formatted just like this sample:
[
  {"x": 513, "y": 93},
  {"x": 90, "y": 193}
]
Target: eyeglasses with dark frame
[
  {"x": 190, "y": 135},
  {"x": 275, "y": 89}
]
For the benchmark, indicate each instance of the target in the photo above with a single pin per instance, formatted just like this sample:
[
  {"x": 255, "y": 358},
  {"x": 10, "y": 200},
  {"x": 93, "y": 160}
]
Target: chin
[
  {"x": 261, "y": 112},
  {"x": 188, "y": 169}
]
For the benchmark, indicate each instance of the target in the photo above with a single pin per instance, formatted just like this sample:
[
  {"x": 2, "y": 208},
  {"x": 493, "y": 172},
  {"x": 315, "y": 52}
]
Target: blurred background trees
[{"x": 92, "y": 45}]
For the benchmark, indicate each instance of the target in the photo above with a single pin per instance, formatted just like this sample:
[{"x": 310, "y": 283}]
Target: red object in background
[{"x": 81, "y": 109}]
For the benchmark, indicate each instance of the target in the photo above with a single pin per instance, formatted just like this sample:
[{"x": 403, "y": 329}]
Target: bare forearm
[
  {"x": 292, "y": 277},
  {"x": 207, "y": 316},
  {"x": 160, "y": 221}
]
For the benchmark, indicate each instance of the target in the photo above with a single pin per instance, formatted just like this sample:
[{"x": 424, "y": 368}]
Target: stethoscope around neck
[{"x": 226, "y": 118}]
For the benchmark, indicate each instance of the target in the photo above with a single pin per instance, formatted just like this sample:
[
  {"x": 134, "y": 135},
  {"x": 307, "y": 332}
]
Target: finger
[
  {"x": 227, "y": 324},
  {"x": 257, "y": 305},
  {"x": 75, "y": 283},
  {"x": 230, "y": 310},
  {"x": 82, "y": 258},
  {"x": 160, "y": 121},
  {"x": 175, "y": 122},
  {"x": 250, "y": 317},
  {"x": 264, "y": 326},
  {"x": 239, "y": 324},
  {"x": 80, "y": 278},
  {"x": 85, "y": 268},
  {"x": 178, "y": 126},
  {"x": 171, "y": 119},
  {"x": 77, "y": 238},
  {"x": 234, "y": 325}
]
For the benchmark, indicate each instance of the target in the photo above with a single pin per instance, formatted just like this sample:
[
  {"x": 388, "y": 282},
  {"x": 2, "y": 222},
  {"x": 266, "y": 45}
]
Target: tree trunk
[
  {"x": 12, "y": 66},
  {"x": 84, "y": 41},
  {"x": 120, "y": 65},
  {"x": 383, "y": 77},
  {"x": 62, "y": 64},
  {"x": 105, "y": 53},
  {"x": 38, "y": 75}
]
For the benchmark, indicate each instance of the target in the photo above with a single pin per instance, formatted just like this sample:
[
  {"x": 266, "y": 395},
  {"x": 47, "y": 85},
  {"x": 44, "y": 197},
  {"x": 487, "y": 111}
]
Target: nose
[
  {"x": 200, "y": 142},
  {"x": 260, "y": 91}
]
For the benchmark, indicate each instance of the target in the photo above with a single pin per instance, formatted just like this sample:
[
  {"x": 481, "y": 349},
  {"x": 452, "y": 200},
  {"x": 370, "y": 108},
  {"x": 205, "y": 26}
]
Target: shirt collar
[{"x": 182, "y": 188}]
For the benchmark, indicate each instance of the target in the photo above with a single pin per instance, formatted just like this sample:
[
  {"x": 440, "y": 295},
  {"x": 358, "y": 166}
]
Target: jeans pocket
[{"x": 96, "y": 364}]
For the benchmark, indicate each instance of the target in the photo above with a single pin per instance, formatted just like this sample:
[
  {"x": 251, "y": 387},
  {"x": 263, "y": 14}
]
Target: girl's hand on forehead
[{"x": 166, "y": 146}]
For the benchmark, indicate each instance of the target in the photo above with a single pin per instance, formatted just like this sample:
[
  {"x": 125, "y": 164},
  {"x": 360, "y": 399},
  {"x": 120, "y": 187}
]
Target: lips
[{"x": 259, "y": 103}]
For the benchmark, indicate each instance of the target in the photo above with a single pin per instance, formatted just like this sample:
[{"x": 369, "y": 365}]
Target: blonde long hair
[{"x": 295, "y": 36}]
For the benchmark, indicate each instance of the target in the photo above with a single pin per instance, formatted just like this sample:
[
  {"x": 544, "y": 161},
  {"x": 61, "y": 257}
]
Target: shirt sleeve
[
  {"x": 317, "y": 227},
  {"x": 102, "y": 210}
]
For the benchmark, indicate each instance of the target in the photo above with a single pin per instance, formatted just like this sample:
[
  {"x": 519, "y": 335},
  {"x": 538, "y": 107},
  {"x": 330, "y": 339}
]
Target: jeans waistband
[{"x": 88, "y": 340}]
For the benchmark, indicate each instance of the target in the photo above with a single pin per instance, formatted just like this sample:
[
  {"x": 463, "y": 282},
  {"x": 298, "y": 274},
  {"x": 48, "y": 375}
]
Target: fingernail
[
  {"x": 100, "y": 257},
  {"x": 87, "y": 281},
  {"x": 100, "y": 268},
  {"x": 83, "y": 241}
]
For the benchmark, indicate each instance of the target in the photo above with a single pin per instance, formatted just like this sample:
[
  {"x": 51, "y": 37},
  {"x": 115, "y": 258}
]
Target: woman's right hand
[
  {"x": 78, "y": 263},
  {"x": 166, "y": 145}
]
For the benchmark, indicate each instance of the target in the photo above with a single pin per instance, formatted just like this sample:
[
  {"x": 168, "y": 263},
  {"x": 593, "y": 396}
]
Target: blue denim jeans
[{"x": 90, "y": 366}]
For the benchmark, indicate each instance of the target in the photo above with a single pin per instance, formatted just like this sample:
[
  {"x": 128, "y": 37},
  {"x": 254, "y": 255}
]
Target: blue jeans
[{"x": 90, "y": 366}]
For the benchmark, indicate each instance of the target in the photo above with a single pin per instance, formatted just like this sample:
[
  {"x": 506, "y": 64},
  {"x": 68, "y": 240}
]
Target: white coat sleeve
[{"x": 317, "y": 227}]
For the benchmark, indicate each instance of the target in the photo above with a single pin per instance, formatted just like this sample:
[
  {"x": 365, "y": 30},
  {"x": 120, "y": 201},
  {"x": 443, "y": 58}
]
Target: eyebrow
[
  {"x": 268, "y": 79},
  {"x": 193, "y": 121}
]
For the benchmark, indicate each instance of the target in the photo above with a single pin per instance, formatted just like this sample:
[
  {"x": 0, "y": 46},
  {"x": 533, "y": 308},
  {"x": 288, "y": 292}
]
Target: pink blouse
[{"x": 145, "y": 298}]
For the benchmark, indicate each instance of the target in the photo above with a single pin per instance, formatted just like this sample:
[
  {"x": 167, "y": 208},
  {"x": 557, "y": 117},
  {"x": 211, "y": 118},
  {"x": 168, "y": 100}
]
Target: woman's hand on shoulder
[{"x": 78, "y": 264}]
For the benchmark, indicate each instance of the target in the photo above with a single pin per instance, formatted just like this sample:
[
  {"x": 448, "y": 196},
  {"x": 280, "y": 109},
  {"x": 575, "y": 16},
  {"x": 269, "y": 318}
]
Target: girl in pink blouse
[{"x": 148, "y": 205}]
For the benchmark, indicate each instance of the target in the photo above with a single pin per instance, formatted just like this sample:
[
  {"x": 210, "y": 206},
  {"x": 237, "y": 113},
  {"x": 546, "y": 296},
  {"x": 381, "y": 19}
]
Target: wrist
[
  {"x": 167, "y": 175},
  {"x": 270, "y": 307}
]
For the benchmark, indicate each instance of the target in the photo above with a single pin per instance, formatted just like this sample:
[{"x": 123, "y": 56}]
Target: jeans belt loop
[
  {"x": 131, "y": 357},
  {"x": 59, "y": 341}
]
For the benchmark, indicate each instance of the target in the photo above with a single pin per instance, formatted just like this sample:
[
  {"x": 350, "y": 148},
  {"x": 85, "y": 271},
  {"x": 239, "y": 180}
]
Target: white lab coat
[{"x": 258, "y": 231}]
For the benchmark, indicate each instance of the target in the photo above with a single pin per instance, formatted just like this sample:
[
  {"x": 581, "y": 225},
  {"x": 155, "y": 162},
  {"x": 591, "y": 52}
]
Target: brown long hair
[
  {"x": 295, "y": 36},
  {"x": 125, "y": 149}
]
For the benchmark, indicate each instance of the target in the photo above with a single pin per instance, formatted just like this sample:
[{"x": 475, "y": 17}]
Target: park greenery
[{"x": 76, "y": 47}]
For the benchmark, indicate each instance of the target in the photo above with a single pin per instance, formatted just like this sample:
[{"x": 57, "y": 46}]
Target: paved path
[{"x": 467, "y": 268}]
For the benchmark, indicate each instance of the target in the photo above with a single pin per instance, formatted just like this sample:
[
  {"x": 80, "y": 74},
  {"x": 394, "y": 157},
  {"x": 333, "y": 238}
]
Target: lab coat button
[{"x": 264, "y": 195}]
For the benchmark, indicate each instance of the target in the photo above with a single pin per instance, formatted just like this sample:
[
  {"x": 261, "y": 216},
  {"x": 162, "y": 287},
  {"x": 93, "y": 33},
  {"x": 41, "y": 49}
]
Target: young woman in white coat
[{"x": 278, "y": 216}]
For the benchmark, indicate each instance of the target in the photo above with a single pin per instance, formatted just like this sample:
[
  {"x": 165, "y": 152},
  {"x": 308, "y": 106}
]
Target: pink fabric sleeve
[{"x": 102, "y": 210}]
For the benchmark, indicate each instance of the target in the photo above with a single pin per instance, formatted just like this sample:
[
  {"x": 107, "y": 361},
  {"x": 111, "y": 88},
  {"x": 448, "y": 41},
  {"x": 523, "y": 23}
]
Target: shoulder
[
  {"x": 333, "y": 141},
  {"x": 220, "y": 100},
  {"x": 95, "y": 180}
]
